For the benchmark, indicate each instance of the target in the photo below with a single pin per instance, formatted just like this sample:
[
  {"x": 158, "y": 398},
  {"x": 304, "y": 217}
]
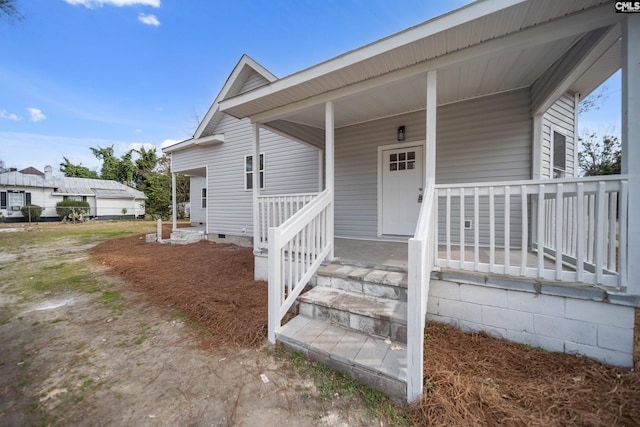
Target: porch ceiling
[
  {"x": 472, "y": 78},
  {"x": 192, "y": 172},
  {"x": 485, "y": 48}
]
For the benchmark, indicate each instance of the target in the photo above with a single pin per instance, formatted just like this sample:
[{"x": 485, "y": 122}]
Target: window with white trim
[
  {"x": 203, "y": 194},
  {"x": 249, "y": 169},
  {"x": 76, "y": 198},
  {"x": 559, "y": 154},
  {"x": 14, "y": 200}
]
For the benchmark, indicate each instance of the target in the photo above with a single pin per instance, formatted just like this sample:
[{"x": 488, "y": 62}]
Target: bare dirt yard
[
  {"x": 97, "y": 329},
  {"x": 82, "y": 346}
]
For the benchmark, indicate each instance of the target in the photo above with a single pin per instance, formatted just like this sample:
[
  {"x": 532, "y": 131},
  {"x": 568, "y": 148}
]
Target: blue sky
[{"x": 76, "y": 74}]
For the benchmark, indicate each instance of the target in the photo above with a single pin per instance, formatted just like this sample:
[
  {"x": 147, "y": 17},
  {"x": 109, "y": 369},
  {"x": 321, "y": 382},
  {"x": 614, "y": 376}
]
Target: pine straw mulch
[
  {"x": 471, "y": 379},
  {"x": 211, "y": 284},
  {"x": 477, "y": 380}
]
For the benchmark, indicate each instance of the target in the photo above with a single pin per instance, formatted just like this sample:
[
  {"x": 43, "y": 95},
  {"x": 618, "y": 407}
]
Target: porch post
[
  {"x": 329, "y": 176},
  {"x": 631, "y": 139},
  {"x": 255, "y": 169},
  {"x": 320, "y": 170},
  {"x": 536, "y": 173},
  {"x": 576, "y": 113},
  {"x": 430, "y": 152},
  {"x": 174, "y": 203}
]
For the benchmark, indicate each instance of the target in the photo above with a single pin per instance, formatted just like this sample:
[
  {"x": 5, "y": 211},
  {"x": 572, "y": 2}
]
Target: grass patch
[
  {"x": 111, "y": 297},
  {"x": 37, "y": 277},
  {"x": 330, "y": 384},
  {"x": 88, "y": 232},
  {"x": 24, "y": 382},
  {"x": 114, "y": 300}
]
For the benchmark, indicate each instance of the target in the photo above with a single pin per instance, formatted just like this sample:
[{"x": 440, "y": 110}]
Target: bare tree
[
  {"x": 599, "y": 155},
  {"x": 8, "y": 10},
  {"x": 592, "y": 101}
]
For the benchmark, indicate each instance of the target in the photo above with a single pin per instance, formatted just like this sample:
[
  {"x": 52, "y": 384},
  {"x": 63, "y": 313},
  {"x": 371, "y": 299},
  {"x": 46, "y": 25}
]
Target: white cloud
[
  {"x": 9, "y": 116},
  {"x": 149, "y": 20},
  {"x": 138, "y": 145},
  {"x": 91, "y": 4},
  {"x": 36, "y": 115},
  {"x": 168, "y": 142}
]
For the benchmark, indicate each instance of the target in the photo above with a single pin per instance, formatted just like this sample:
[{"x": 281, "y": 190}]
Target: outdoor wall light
[{"x": 401, "y": 133}]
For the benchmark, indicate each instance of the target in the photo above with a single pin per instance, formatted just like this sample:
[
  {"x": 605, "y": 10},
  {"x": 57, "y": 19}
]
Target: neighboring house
[
  {"x": 449, "y": 190},
  {"x": 219, "y": 161},
  {"x": 107, "y": 199}
]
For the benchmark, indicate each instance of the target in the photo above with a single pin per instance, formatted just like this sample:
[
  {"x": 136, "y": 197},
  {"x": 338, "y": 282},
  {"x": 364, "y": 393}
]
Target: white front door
[{"x": 401, "y": 189}]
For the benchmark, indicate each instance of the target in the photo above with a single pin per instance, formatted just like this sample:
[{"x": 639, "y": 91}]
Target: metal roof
[
  {"x": 486, "y": 47},
  {"x": 71, "y": 186}
]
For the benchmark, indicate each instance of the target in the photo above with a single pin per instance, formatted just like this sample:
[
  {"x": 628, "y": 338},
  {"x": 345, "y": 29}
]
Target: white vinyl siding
[
  {"x": 484, "y": 139},
  {"x": 254, "y": 81},
  {"x": 559, "y": 118},
  {"x": 113, "y": 208},
  {"x": 292, "y": 168}
]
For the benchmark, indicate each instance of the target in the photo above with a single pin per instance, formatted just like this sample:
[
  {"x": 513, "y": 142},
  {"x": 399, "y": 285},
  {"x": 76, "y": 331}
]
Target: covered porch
[
  {"x": 395, "y": 255},
  {"x": 462, "y": 113}
]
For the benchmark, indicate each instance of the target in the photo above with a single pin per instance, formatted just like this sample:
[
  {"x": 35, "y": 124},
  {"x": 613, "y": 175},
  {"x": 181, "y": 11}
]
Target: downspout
[{"x": 630, "y": 148}]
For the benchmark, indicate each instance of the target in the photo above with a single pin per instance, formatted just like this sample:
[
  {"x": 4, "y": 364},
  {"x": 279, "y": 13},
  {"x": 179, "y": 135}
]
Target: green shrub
[
  {"x": 73, "y": 210},
  {"x": 31, "y": 212}
]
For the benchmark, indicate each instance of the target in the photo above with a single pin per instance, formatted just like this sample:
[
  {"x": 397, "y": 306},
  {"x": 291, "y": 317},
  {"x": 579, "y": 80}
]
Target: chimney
[{"x": 48, "y": 172}]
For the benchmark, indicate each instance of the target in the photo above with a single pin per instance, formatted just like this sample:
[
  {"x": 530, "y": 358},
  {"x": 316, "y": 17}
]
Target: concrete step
[
  {"x": 381, "y": 317},
  {"x": 373, "y": 281},
  {"x": 186, "y": 237},
  {"x": 379, "y": 363}
]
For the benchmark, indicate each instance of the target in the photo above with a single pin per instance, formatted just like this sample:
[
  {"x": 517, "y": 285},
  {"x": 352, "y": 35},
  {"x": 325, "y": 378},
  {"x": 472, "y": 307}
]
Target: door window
[{"x": 402, "y": 161}]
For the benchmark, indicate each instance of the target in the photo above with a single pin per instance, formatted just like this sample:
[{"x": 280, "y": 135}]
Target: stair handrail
[
  {"x": 420, "y": 264},
  {"x": 296, "y": 250}
]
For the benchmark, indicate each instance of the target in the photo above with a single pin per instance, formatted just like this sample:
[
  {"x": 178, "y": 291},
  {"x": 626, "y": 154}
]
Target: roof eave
[
  {"x": 195, "y": 142},
  {"x": 441, "y": 23}
]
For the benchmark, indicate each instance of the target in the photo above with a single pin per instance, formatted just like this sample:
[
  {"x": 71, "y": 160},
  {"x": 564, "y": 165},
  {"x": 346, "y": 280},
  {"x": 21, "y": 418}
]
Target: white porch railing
[
  {"x": 296, "y": 249},
  {"x": 275, "y": 210},
  {"x": 421, "y": 262},
  {"x": 498, "y": 228}
]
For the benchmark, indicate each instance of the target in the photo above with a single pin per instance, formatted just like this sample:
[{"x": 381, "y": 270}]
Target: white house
[
  {"x": 219, "y": 161},
  {"x": 107, "y": 199},
  {"x": 448, "y": 190}
]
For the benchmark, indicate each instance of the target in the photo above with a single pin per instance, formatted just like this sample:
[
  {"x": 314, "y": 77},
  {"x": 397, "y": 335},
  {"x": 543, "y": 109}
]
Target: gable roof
[
  {"x": 235, "y": 85},
  {"x": 31, "y": 171},
  {"x": 72, "y": 186},
  {"x": 500, "y": 44}
]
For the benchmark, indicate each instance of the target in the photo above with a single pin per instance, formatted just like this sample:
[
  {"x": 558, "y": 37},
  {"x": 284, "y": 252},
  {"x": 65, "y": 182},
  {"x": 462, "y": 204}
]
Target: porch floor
[{"x": 373, "y": 253}]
